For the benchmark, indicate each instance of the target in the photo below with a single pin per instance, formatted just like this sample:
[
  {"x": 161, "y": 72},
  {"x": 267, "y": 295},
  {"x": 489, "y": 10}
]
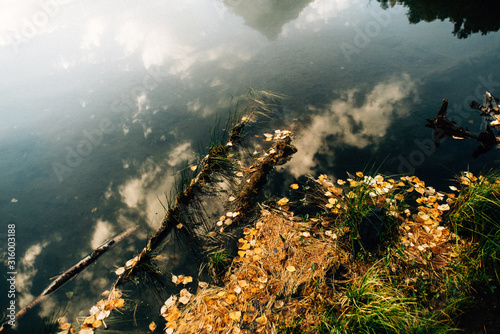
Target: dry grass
[{"x": 279, "y": 274}]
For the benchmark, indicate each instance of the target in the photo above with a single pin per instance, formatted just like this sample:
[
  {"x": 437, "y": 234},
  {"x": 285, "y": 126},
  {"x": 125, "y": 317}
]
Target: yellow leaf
[
  {"x": 152, "y": 326},
  {"x": 282, "y": 201},
  {"x": 65, "y": 326},
  {"x": 173, "y": 314},
  {"x": 420, "y": 190},
  {"x": 261, "y": 320},
  {"x": 241, "y": 253},
  {"x": 235, "y": 315},
  {"x": 193, "y": 168},
  {"x": 336, "y": 191},
  {"x": 230, "y": 299},
  {"x": 290, "y": 269},
  {"x": 245, "y": 246},
  {"x": 120, "y": 271},
  {"x": 359, "y": 174},
  {"x": 119, "y": 303},
  {"x": 294, "y": 186},
  {"x": 443, "y": 207},
  {"x": 332, "y": 201},
  {"x": 97, "y": 324}
]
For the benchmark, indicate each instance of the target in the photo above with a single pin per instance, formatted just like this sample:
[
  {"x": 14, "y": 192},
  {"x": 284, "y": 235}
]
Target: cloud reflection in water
[{"x": 350, "y": 123}]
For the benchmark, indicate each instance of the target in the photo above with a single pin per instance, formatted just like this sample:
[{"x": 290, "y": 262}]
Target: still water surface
[{"x": 101, "y": 103}]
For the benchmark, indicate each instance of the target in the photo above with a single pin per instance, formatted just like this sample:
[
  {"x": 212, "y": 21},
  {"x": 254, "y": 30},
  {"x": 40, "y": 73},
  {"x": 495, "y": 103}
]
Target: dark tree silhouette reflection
[{"x": 468, "y": 16}]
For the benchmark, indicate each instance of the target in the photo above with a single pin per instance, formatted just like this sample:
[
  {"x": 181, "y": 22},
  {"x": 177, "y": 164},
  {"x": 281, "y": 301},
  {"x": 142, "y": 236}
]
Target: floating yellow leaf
[
  {"x": 282, "y": 201},
  {"x": 290, "y": 269},
  {"x": 359, "y": 174},
  {"x": 193, "y": 168},
  {"x": 152, "y": 326},
  {"x": 294, "y": 186}
]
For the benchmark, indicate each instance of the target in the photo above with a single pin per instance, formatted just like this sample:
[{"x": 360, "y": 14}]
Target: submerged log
[{"x": 245, "y": 201}]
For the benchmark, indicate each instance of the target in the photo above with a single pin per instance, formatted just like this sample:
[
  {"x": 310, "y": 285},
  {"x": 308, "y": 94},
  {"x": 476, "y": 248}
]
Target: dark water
[{"x": 102, "y": 103}]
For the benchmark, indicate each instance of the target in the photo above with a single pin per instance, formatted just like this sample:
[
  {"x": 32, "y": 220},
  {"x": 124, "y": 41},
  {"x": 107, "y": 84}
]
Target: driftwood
[
  {"x": 70, "y": 273},
  {"x": 245, "y": 201}
]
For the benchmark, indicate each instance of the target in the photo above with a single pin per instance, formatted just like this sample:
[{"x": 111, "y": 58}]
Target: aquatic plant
[{"x": 476, "y": 214}]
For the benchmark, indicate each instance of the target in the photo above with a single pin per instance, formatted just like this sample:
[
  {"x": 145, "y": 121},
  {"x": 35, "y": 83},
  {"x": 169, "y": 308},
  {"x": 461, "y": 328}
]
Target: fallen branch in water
[
  {"x": 282, "y": 151},
  {"x": 211, "y": 164},
  {"x": 69, "y": 274}
]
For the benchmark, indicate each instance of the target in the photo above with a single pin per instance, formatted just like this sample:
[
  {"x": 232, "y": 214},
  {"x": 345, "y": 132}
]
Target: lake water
[{"x": 102, "y": 103}]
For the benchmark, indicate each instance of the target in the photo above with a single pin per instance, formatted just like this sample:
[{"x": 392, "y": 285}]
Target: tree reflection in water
[{"x": 468, "y": 16}]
